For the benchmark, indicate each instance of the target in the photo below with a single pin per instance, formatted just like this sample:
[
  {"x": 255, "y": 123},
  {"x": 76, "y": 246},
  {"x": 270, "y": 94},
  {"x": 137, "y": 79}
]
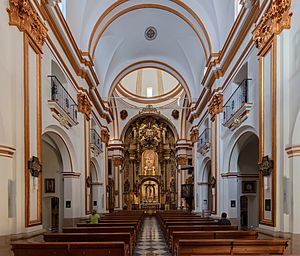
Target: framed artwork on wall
[
  {"x": 49, "y": 185},
  {"x": 249, "y": 186}
]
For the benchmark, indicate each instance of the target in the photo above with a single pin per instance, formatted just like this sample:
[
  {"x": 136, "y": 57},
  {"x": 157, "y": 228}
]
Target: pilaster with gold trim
[
  {"x": 25, "y": 17},
  {"x": 276, "y": 18},
  {"x": 85, "y": 107},
  {"x": 215, "y": 107}
]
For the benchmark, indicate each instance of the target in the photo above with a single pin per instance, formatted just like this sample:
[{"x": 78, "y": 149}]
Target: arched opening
[
  {"x": 95, "y": 189},
  {"x": 53, "y": 185},
  {"x": 206, "y": 188},
  {"x": 244, "y": 162}
]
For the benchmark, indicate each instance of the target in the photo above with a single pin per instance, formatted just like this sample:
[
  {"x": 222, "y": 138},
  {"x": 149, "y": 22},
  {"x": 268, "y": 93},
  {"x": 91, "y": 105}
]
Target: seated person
[
  {"x": 94, "y": 217},
  {"x": 224, "y": 220}
]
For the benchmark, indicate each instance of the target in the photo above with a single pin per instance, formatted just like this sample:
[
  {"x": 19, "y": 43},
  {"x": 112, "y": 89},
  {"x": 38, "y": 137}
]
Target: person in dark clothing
[{"x": 224, "y": 220}]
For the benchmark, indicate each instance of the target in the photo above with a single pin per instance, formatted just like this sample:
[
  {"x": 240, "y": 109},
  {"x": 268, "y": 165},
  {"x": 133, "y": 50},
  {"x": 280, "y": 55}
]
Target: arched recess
[
  {"x": 243, "y": 164},
  {"x": 56, "y": 161},
  {"x": 150, "y": 64},
  {"x": 243, "y": 132},
  {"x": 65, "y": 145},
  {"x": 94, "y": 196},
  {"x": 206, "y": 186}
]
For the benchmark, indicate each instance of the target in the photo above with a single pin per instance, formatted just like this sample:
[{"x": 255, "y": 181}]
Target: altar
[{"x": 150, "y": 206}]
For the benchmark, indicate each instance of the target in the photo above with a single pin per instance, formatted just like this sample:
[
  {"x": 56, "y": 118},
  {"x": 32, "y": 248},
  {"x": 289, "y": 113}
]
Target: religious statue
[{"x": 126, "y": 186}]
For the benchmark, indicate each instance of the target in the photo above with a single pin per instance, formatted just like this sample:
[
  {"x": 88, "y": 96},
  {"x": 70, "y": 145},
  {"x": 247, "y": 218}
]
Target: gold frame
[
  {"x": 271, "y": 48},
  {"x": 26, "y": 44}
]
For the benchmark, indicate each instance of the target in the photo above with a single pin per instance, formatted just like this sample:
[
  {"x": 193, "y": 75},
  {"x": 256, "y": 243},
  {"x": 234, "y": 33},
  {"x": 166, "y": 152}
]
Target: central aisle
[{"x": 151, "y": 241}]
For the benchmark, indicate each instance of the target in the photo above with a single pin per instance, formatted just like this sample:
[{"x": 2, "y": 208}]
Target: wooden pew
[
  {"x": 229, "y": 246},
  {"x": 108, "y": 230},
  {"x": 172, "y": 229},
  {"x": 25, "y": 248},
  {"x": 91, "y": 237},
  {"x": 231, "y": 234}
]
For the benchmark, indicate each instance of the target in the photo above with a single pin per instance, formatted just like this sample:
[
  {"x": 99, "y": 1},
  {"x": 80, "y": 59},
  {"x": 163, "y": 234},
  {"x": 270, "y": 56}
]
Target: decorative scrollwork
[
  {"x": 23, "y": 15},
  {"x": 276, "y": 18}
]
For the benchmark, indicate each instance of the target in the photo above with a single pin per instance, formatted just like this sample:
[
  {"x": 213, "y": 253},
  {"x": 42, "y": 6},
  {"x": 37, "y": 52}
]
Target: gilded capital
[
  {"x": 84, "y": 105},
  {"x": 194, "y": 135},
  {"x": 276, "y": 18},
  {"x": 215, "y": 106},
  {"x": 23, "y": 15},
  {"x": 117, "y": 161},
  {"x": 105, "y": 136},
  {"x": 182, "y": 160}
]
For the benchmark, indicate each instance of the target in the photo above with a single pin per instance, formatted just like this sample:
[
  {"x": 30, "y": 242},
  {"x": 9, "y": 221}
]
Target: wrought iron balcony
[
  {"x": 96, "y": 143},
  {"x": 204, "y": 141},
  {"x": 237, "y": 106},
  {"x": 60, "y": 95}
]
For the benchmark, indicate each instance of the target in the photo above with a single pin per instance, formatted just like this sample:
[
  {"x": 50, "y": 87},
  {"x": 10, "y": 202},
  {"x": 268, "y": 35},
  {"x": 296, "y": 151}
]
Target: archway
[
  {"x": 53, "y": 186},
  {"x": 244, "y": 163},
  {"x": 95, "y": 186},
  {"x": 206, "y": 189}
]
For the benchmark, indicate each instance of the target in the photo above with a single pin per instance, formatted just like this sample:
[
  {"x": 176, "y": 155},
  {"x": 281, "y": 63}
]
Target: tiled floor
[{"x": 151, "y": 241}]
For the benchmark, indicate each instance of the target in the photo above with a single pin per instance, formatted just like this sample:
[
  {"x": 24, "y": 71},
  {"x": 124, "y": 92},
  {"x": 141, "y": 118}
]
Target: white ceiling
[{"x": 188, "y": 32}]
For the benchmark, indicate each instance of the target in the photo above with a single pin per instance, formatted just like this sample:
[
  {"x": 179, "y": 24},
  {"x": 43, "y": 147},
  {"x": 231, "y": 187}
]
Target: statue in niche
[
  {"x": 163, "y": 130},
  {"x": 126, "y": 186},
  {"x": 172, "y": 185}
]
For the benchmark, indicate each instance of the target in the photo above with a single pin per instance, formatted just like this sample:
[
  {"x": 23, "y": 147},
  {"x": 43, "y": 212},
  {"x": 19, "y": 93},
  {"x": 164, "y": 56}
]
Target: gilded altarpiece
[{"x": 149, "y": 165}]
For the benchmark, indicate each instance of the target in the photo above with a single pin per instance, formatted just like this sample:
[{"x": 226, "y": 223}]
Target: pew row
[
  {"x": 227, "y": 234},
  {"x": 91, "y": 237},
  {"x": 229, "y": 247},
  {"x": 25, "y": 248}
]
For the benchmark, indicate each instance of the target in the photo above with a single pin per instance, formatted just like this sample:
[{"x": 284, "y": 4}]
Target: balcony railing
[
  {"x": 96, "y": 140},
  {"x": 237, "y": 100},
  {"x": 204, "y": 139},
  {"x": 63, "y": 98}
]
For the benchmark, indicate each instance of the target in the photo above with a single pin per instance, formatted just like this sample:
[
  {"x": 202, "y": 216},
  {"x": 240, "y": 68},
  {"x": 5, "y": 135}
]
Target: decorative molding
[
  {"x": 215, "y": 106},
  {"x": 105, "y": 136},
  {"x": 71, "y": 174},
  {"x": 239, "y": 117},
  {"x": 293, "y": 151},
  {"x": 6, "y": 151},
  {"x": 276, "y": 18},
  {"x": 60, "y": 115},
  {"x": 23, "y": 15},
  {"x": 84, "y": 105}
]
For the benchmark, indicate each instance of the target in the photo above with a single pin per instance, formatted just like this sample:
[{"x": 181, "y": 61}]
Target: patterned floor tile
[{"x": 151, "y": 242}]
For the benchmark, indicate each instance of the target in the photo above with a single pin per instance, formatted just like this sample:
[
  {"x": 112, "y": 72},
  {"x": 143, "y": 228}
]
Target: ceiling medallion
[{"x": 150, "y": 33}]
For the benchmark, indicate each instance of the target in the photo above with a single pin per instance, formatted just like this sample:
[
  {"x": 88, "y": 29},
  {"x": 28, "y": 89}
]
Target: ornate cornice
[
  {"x": 84, "y": 105},
  {"x": 215, "y": 106},
  {"x": 23, "y": 15},
  {"x": 276, "y": 18}
]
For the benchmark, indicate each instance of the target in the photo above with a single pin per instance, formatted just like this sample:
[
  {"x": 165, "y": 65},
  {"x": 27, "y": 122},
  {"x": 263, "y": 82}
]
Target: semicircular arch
[{"x": 64, "y": 143}]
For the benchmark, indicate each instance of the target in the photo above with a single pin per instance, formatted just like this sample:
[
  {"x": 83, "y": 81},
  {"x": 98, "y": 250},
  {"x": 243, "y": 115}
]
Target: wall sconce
[
  {"x": 34, "y": 166},
  {"x": 266, "y": 166}
]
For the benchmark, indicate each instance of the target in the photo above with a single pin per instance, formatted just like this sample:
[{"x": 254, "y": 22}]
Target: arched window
[
  {"x": 63, "y": 7},
  {"x": 238, "y": 4}
]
